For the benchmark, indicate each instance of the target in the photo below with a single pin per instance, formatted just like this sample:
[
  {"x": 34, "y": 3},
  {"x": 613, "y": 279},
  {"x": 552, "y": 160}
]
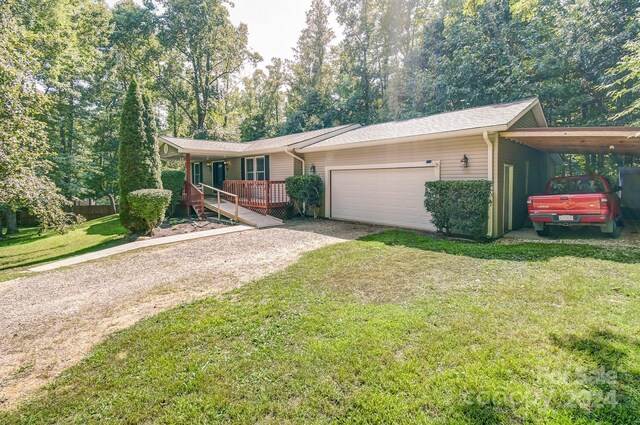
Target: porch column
[{"x": 187, "y": 162}]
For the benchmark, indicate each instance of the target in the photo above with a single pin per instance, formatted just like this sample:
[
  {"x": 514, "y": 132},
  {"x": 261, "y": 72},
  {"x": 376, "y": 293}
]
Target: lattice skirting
[{"x": 279, "y": 212}]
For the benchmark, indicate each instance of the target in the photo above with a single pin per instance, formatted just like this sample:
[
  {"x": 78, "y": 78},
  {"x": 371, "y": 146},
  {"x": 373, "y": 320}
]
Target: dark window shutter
[
  {"x": 266, "y": 167},
  {"x": 242, "y": 165},
  {"x": 201, "y": 174}
]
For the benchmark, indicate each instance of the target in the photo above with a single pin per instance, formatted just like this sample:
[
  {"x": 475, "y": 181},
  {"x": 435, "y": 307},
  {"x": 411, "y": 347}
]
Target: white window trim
[
  {"x": 328, "y": 170},
  {"x": 508, "y": 187},
  {"x": 255, "y": 171},
  {"x": 197, "y": 166}
]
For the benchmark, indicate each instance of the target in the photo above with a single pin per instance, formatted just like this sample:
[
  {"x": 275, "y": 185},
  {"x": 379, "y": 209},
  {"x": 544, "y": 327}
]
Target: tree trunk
[
  {"x": 112, "y": 202},
  {"x": 2, "y": 236},
  {"x": 11, "y": 221}
]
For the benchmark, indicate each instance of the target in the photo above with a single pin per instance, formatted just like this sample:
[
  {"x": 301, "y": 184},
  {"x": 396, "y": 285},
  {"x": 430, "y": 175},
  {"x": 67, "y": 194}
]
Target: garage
[{"x": 390, "y": 195}]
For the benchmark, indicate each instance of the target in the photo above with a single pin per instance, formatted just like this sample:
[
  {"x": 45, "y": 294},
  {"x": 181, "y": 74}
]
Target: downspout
[
  {"x": 304, "y": 171},
  {"x": 293, "y": 155},
  {"x": 487, "y": 140}
]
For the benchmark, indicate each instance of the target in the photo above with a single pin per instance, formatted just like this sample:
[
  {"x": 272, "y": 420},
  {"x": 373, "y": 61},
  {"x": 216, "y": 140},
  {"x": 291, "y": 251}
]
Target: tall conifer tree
[
  {"x": 154, "y": 181},
  {"x": 133, "y": 154}
]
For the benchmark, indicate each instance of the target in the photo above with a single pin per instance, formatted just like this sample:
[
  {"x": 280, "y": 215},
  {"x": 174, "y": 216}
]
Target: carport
[
  {"x": 623, "y": 142},
  {"x": 579, "y": 140}
]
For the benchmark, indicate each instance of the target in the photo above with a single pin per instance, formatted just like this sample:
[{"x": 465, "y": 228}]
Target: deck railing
[
  {"x": 193, "y": 197},
  {"x": 219, "y": 196},
  {"x": 258, "y": 194}
]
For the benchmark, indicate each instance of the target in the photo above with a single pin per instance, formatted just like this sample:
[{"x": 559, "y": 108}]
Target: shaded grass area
[
  {"x": 525, "y": 251},
  {"x": 378, "y": 331},
  {"x": 28, "y": 248}
]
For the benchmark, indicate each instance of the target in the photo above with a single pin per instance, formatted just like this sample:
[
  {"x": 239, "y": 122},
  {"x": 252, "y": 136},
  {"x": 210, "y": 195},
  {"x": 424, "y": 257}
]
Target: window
[
  {"x": 576, "y": 185},
  {"x": 196, "y": 172},
  {"x": 255, "y": 168}
]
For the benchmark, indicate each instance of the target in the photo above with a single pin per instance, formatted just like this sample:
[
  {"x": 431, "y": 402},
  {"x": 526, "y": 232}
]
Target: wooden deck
[
  {"x": 228, "y": 209},
  {"x": 258, "y": 194}
]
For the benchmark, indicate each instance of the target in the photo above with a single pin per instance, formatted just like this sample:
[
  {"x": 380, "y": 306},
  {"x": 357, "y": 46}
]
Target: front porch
[{"x": 228, "y": 197}]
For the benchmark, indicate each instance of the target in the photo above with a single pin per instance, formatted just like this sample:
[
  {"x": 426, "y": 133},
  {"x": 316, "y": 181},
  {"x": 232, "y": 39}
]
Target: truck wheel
[
  {"x": 545, "y": 231},
  {"x": 613, "y": 229}
]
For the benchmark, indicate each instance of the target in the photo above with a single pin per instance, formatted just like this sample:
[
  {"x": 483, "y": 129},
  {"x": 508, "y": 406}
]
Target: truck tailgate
[{"x": 569, "y": 204}]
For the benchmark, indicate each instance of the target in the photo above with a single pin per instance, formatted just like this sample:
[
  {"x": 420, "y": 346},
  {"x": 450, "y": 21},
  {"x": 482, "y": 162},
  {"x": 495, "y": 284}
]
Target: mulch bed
[{"x": 179, "y": 227}]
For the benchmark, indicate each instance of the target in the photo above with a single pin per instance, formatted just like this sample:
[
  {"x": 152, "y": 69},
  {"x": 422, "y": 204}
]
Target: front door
[{"x": 218, "y": 175}]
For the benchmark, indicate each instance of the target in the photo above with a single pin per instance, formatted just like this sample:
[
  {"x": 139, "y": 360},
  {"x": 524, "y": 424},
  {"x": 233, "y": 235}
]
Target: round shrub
[
  {"x": 149, "y": 206},
  {"x": 305, "y": 192},
  {"x": 173, "y": 180},
  {"x": 459, "y": 206}
]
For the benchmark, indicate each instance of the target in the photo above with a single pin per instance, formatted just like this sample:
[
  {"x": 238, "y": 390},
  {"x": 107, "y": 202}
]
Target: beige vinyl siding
[
  {"x": 170, "y": 149},
  {"x": 207, "y": 173},
  {"x": 280, "y": 166},
  {"x": 518, "y": 155},
  {"x": 297, "y": 167},
  {"x": 448, "y": 151},
  {"x": 234, "y": 169}
]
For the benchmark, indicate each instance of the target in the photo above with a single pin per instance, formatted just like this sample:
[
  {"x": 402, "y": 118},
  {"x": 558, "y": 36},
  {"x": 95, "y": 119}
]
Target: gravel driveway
[{"x": 49, "y": 321}]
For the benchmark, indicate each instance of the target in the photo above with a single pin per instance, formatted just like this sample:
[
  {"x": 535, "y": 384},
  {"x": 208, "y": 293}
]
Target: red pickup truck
[{"x": 577, "y": 201}]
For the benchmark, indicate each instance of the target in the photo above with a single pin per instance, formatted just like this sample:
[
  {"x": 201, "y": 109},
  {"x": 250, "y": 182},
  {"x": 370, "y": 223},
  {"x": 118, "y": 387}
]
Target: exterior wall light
[
  {"x": 464, "y": 161},
  {"x": 313, "y": 168}
]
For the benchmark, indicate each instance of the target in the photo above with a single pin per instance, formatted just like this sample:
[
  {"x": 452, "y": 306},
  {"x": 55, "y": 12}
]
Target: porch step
[{"x": 228, "y": 209}]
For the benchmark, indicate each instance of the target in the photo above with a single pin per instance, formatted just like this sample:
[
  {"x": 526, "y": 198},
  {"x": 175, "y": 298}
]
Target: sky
[{"x": 274, "y": 25}]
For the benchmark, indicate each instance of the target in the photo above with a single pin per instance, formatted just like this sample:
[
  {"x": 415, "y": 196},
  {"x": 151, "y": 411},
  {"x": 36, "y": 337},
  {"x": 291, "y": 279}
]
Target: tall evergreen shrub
[
  {"x": 135, "y": 167},
  {"x": 154, "y": 180}
]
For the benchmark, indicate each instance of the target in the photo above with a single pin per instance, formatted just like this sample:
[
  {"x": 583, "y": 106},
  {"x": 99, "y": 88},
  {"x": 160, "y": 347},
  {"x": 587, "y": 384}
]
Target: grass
[
  {"x": 395, "y": 328},
  {"x": 28, "y": 248}
]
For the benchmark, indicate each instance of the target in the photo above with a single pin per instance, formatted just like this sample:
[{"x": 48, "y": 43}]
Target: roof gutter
[
  {"x": 293, "y": 155},
  {"x": 490, "y": 160}
]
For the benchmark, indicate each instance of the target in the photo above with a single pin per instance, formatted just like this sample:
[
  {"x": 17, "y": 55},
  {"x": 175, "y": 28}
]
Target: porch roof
[
  {"x": 211, "y": 148},
  {"x": 595, "y": 140}
]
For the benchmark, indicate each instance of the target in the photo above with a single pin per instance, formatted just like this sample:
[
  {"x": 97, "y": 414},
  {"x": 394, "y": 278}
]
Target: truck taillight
[
  {"x": 604, "y": 203},
  {"x": 529, "y": 201}
]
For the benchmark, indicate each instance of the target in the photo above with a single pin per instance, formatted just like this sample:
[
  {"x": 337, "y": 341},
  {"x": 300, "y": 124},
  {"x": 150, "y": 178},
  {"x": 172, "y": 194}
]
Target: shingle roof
[
  {"x": 290, "y": 139},
  {"x": 262, "y": 144},
  {"x": 498, "y": 116},
  {"x": 204, "y": 145},
  {"x": 466, "y": 119}
]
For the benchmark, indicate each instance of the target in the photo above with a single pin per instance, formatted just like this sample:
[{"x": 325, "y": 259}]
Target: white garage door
[{"x": 391, "y": 196}]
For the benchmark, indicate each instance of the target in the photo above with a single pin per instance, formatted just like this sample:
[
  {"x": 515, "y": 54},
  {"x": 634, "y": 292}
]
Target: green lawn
[
  {"x": 28, "y": 249},
  {"x": 395, "y": 328}
]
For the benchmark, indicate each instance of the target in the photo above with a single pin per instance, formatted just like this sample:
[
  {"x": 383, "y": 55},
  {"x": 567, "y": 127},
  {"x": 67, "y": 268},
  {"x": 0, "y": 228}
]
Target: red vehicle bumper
[{"x": 562, "y": 219}]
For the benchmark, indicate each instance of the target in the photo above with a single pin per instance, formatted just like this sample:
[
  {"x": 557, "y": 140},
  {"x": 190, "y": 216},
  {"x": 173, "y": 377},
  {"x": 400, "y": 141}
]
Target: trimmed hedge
[
  {"x": 305, "y": 192},
  {"x": 459, "y": 206},
  {"x": 173, "y": 180},
  {"x": 149, "y": 206}
]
